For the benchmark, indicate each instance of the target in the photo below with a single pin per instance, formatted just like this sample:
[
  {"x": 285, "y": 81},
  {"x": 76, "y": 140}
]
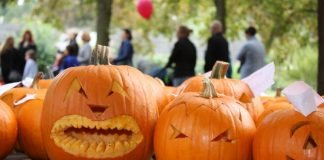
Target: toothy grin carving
[{"x": 83, "y": 137}]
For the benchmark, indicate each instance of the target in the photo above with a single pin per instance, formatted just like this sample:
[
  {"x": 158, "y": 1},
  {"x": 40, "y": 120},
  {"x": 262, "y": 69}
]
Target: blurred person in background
[
  {"x": 10, "y": 59},
  {"x": 26, "y": 43},
  {"x": 70, "y": 58},
  {"x": 252, "y": 54},
  {"x": 31, "y": 67},
  {"x": 126, "y": 50},
  {"x": 183, "y": 57},
  {"x": 217, "y": 48},
  {"x": 73, "y": 42},
  {"x": 85, "y": 51}
]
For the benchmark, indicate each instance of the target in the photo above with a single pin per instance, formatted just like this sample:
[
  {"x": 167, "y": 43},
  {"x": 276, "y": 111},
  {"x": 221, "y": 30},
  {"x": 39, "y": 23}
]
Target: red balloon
[{"x": 145, "y": 8}]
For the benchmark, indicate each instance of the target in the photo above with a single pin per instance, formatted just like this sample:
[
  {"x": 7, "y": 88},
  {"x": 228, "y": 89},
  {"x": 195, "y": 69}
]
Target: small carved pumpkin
[
  {"x": 205, "y": 127},
  {"x": 288, "y": 135},
  {"x": 99, "y": 112}
]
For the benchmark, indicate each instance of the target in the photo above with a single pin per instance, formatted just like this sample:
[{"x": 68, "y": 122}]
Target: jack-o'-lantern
[
  {"x": 99, "y": 112},
  {"x": 272, "y": 107},
  {"x": 28, "y": 115},
  {"x": 206, "y": 126},
  {"x": 44, "y": 83},
  {"x": 229, "y": 87},
  {"x": 8, "y": 130},
  {"x": 287, "y": 135}
]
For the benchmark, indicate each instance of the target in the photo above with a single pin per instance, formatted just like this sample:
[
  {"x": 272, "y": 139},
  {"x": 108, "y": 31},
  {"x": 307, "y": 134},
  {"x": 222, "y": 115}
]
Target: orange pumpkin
[
  {"x": 8, "y": 130},
  {"x": 287, "y": 134},
  {"x": 99, "y": 112},
  {"x": 29, "y": 120},
  {"x": 205, "y": 126},
  {"x": 272, "y": 108},
  {"x": 44, "y": 83},
  {"x": 229, "y": 87}
]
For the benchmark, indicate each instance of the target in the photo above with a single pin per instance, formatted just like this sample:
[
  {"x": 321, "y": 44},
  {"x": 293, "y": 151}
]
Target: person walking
[
  {"x": 183, "y": 57},
  {"x": 252, "y": 54},
  {"x": 31, "y": 67},
  {"x": 85, "y": 51},
  {"x": 10, "y": 62},
  {"x": 26, "y": 43},
  {"x": 217, "y": 48},
  {"x": 126, "y": 51}
]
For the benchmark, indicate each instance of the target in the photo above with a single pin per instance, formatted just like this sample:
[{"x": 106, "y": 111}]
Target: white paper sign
[
  {"x": 25, "y": 99},
  {"x": 303, "y": 97},
  {"x": 7, "y": 87},
  {"x": 261, "y": 80},
  {"x": 207, "y": 74},
  {"x": 27, "y": 82}
]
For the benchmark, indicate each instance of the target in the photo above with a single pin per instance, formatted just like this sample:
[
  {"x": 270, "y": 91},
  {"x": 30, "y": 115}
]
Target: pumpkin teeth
[{"x": 80, "y": 136}]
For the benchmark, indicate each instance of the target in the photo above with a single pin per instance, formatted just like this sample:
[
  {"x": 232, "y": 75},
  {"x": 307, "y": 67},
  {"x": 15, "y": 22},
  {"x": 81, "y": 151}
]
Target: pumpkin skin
[
  {"x": 99, "y": 99},
  {"x": 15, "y": 94},
  {"x": 44, "y": 83},
  {"x": 272, "y": 108},
  {"x": 8, "y": 130},
  {"x": 29, "y": 121},
  {"x": 287, "y": 134},
  {"x": 193, "y": 127}
]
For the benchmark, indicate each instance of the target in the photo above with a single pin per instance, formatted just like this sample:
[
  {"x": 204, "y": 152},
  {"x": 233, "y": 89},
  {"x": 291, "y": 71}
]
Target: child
[
  {"x": 70, "y": 58},
  {"x": 31, "y": 67}
]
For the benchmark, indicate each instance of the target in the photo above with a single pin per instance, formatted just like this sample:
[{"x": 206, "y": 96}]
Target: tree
[
  {"x": 320, "y": 75},
  {"x": 221, "y": 12},
  {"x": 104, "y": 12}
]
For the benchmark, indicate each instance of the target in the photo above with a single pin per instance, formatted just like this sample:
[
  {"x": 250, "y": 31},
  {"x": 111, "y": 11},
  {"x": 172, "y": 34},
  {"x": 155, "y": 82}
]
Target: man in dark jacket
[{"x": 217, "y": 48}]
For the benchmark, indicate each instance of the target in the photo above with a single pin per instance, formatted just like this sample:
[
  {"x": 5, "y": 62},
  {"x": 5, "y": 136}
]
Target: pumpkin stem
[
  {"x": 208, "y": 89},
  {"x": 37, "y": 77},
  {"x": 50, "y": 72},
  {"x": 278, "y": 92},
  {"x": 219, "y": 70},
  {"x": 100, "y": 55}
]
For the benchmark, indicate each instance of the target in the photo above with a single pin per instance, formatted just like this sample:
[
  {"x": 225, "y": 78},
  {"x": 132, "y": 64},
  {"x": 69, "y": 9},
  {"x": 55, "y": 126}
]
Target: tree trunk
[
  {"x": 221, "y": 12},
  {"x": 320, "y": 75},
  {"x": 104, "y": 8}
]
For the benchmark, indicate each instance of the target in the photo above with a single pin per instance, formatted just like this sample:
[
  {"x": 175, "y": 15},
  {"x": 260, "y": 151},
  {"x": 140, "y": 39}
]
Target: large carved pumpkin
[
  {"x": 206, "y": 126},
  {"x": 288, "y": 135},
  {"x": 29, "y": 120},
  {"x": 8, "y": 130},
  {"x": 274, "y": 106},
  {"x": 99, "y": 112}
]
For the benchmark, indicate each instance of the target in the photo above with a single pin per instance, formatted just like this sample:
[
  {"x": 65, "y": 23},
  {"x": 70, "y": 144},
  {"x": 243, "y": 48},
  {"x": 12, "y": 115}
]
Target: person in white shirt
[
  {"x": 31, "y": 67},
  {"x": 85, "y": 51}
]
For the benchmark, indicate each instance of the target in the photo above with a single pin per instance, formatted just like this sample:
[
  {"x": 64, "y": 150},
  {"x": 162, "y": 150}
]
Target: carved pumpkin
[
  {"x": 206, "y": 126},
  {"x": 29, "y": 120},
  {"x": 229, "y": 87},
  {"x": 8, "y": 130},
  {"x": 44, "y": 83},
  {"x": 99, "y": 112},
  {"x": 287, "y": 134}
]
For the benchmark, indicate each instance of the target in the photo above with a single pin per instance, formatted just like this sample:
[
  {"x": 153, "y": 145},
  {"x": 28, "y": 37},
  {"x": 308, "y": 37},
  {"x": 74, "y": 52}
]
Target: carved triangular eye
[
  {"x": 176, "y": 133},
  {"x": 297, "y": 126},
  {"x": 310, "y": 143},
  {"x": 223, "y": 137},
  {"x": 82, "y": 92},
  {"x": 289, "y": 158}
]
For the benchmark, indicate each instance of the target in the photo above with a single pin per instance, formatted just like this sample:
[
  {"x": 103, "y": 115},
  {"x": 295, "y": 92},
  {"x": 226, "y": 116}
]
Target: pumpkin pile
[{"x": 109, "y": 112}]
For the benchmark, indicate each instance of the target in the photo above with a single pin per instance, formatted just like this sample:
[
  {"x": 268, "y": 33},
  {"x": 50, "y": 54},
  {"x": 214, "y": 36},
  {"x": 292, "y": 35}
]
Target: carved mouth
[{"x": 83, "y": 137}]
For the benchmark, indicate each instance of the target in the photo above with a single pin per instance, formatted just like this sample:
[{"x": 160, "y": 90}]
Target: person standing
[
  {"x": 31, "y": 67},
  {"x": 126, "y": 51},
  {"x": 85, "y": 51},
  {"x": 27, "y": 43},
  {"x": 70, "y": 58},
  {"x": 73, "y": 42},
  {"x": 217, "y": 48},
  {"x": 252, "y": 54},
  {"x": 10, "y": 62},
  {"x": 184, "y": 57}
]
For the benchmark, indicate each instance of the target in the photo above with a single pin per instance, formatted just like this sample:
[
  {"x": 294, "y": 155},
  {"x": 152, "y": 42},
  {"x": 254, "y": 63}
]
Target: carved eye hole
[
  {"x": 176, "y": 133},
  {"x": 297, "y": 126},
  {"x": 289, "y": 158},
  {"x": 110, "y": 93},
  {"x": 82, "y": 92},
  {"x": 223, "y": 137},
  {"x": 310, "y": 143}
]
